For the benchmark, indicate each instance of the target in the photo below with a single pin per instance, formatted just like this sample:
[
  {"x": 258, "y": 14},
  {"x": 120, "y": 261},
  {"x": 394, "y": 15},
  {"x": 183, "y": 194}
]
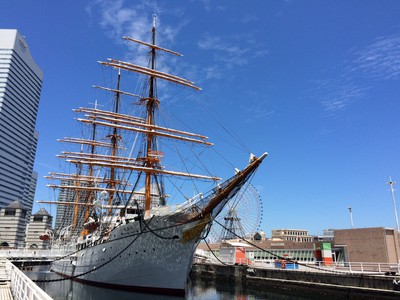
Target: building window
[{"x": 9, "y": 212}]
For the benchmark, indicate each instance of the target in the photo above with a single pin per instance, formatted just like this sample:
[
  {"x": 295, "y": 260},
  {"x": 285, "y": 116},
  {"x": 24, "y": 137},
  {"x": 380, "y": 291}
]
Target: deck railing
[
  {"x": 22, "y": 287},
  {"x": 31, "y": 254},
  {"x": 312, "y": 266},
  {"x": 345, "y": 267},
  {"x": 362, "y": 267}
]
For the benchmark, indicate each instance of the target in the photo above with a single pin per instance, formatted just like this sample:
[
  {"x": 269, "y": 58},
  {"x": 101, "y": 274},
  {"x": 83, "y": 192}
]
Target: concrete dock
[{"x": 332, "y": 285}]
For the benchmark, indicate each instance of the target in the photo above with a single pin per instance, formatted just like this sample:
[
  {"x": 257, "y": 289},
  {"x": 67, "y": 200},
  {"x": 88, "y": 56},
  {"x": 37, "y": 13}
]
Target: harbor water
[{"x": 204, "y": 289}]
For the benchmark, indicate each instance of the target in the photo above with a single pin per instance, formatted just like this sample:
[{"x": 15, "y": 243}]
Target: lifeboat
[{"x": 44, "y": 237}]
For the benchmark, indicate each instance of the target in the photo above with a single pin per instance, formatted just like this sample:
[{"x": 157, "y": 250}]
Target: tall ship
[{"x": 119, "y": 230}]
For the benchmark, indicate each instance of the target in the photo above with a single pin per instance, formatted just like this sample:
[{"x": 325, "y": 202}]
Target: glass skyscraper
[{"x": 20, "y": 86}]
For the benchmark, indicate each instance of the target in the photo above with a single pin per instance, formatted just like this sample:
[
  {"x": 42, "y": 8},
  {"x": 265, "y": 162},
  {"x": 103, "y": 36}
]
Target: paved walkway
[{"x": 5, "y": 290}]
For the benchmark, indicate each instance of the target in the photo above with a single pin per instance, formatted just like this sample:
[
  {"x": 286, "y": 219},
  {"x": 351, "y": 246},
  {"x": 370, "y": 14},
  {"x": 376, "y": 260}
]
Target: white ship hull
[{"x": 157, "y": 260}]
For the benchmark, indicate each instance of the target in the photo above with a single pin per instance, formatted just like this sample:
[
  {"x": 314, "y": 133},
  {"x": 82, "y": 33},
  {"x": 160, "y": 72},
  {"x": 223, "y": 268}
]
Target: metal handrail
[
  {"x": 31, "y": 254},
  {"x": 361, "y": 267},
  {"x": 21, "y": 286},
  {"x": 343, "y": 267}
]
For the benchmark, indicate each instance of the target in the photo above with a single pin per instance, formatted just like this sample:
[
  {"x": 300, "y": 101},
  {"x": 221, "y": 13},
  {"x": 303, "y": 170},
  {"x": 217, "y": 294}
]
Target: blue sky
[{"x": 313, "y": 83}]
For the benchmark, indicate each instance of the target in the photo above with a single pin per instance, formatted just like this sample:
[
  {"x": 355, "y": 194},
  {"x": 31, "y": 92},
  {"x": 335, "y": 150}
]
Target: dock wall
[{"x": 336, "y": 285}]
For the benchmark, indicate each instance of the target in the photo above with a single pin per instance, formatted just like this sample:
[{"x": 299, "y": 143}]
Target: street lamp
[
  {"x": 391, "y": 183},
  {"x": 351, "y": 217},
  {"x": 395, "y": 214}
]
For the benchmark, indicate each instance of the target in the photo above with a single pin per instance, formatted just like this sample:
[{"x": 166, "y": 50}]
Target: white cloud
[
  {"x": 120, "y": 17},
  {"x": 325, "y": 131},
  {"x": 337, "y": 94},
  {"x": 377, "y": 61},
  {"x": 380, "y": 60},
  {"x": 118, "y": 20},
  {"x": 257, "y": 110},
  {"x": 226, "y": 52},
  {"x": 249, "y": 18},
  {"x": 213, "y": 72},
  {"x": 123, "y": 18}
]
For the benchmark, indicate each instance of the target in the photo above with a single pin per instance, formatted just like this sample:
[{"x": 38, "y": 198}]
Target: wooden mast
[
  {"x": 114, "y": 142},
  {"x": 90, "y": 197},
  {"x": 151, "y": 105},
  {"x": 76, "y": 198}
]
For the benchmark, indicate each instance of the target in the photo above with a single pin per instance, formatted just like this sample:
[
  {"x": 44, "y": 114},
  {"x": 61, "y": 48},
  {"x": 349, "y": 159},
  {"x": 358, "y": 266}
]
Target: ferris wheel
[{"x": 241, "y": 216}]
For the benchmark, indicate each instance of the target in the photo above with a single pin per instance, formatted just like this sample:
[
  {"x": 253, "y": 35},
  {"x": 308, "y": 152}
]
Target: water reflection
[
  {"x": 204, "y": 289},
  {"x": 72, "y": 290}
]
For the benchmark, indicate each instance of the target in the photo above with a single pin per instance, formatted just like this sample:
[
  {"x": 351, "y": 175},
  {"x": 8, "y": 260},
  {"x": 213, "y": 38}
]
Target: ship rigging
[{"x": 117, "y": 201}]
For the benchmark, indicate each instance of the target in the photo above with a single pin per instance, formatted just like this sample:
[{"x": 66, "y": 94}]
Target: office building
[
  {"x": 13, "y": 225},
  {"x": 65, "y": 213},
  {"x": 376, "y": 244},
  {"x": 294, "y": 235},
  {"x": 39, "y": 234},
  {"x": 20, "y": 87}
]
